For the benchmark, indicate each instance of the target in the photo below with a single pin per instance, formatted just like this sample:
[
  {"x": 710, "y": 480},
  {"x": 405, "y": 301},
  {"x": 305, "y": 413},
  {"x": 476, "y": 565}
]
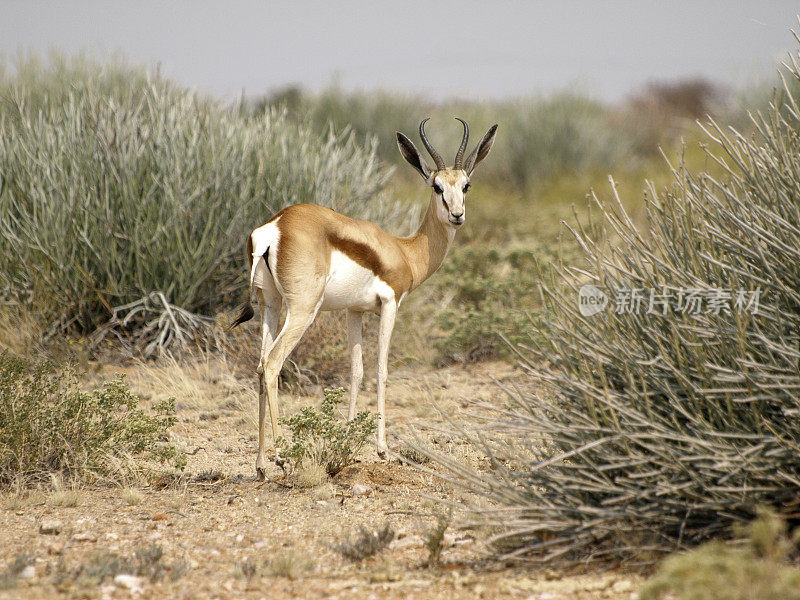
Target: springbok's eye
[
  {"x": 466, "y": 188},
  {"x": 437, "y": 188}
]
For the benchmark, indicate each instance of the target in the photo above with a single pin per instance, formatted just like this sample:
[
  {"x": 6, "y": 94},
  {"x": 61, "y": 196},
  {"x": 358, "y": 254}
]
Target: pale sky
[{"x": 466, "y": 49}]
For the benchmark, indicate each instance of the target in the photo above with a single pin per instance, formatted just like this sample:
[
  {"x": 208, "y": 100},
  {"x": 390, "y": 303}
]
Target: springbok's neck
[{"x": 426, "y": 249}]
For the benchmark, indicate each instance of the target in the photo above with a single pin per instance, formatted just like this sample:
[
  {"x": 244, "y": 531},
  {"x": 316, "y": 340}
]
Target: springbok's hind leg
[
  {"x": 298, "y": 319},
  {"x": 261, "y": 461},
  {"x": 270, "y": 302}
]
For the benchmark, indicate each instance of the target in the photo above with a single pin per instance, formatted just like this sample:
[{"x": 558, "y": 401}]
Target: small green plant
[
  {"x": 49, "y": 426},
  {"x": 724, "y": 572},
  {"x": 365, "y": 542},
  {"x": 324, "y": 438}
]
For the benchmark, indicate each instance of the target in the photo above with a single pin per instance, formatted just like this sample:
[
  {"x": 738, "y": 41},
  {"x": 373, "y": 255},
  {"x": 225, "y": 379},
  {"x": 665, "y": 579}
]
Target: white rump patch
[{"x": 266, "y": 236}]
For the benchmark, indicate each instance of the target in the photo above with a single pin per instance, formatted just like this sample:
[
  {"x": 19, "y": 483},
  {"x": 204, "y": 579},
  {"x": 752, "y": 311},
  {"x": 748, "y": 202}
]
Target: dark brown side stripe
[{"x": 366, "y": 257}]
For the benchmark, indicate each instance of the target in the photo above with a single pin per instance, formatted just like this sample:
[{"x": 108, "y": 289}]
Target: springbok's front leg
[
  {"x": 356, "y": 358},
  {"x": 388, "y": 315}
]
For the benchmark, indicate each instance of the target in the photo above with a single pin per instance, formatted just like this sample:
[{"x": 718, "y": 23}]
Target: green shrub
[
  {"x": 126, "y": 199},
  {"x": 493, "y": 292},
  {"x": 566, "y": 133},
  {"x": 644, "y": 433},
  {"x": 759, "y": 570},
  {"x": 322, "y": 437},
  {"x": 49, "y": 425}
]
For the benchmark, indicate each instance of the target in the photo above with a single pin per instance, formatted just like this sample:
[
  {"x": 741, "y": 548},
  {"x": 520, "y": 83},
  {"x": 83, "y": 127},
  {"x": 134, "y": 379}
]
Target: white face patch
[{"x": 452, "y": 208}]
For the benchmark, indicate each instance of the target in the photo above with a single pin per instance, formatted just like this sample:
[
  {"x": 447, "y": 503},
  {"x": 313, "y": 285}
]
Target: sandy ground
[{"x": 225, "y": 535}]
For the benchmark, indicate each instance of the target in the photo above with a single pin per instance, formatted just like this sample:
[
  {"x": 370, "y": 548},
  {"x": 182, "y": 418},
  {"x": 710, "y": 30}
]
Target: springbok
[{"x": 313, "y": 258}]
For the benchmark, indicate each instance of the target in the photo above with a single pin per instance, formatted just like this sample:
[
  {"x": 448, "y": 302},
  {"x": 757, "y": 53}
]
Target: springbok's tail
[{"x": 247, "y": 312}]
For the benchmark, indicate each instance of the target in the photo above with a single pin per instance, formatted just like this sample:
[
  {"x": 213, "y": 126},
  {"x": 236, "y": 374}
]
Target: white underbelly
[{"x": 349, "y": 285}]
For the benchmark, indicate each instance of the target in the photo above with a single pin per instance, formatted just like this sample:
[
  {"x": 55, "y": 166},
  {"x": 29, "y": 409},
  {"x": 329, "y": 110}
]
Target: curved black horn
[
  {"x": 437, "y": 158},
  {"x": 460, "y": 154}
]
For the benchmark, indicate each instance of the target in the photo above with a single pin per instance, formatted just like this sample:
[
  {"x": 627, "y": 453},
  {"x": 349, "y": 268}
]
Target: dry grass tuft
[
  {"x": 66, "y": 498},
  {"x": 291, "y": 564},
  {"x": 247, "y": 569},
  {"x": 20, "y": 333},
  {"x": 204, "y": 382},
  {"x": 131, "y": 496},
  {"x": 411, "y": 455},
  {"x": 311, "y": 472},
  {"x": 365, "y": 543},
  {"x": 434, "y": 537}
]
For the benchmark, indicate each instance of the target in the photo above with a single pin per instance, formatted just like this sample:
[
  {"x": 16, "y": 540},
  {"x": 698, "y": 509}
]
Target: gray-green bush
[
  {"x": 123, "y": 195},
  {"x": 541, "y": 136},
  {"x": 657, "y": 431}
]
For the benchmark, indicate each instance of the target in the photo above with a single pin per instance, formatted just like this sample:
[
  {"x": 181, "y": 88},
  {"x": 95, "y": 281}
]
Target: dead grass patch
[
  {"x": 365, "y": 542},
  {"x": 291, "y": 564},
  {"x": 131, "y": 496}
]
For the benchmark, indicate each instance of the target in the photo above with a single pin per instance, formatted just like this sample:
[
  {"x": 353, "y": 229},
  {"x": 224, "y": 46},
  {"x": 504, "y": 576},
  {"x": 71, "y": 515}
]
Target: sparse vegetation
[
  {"x": 365, "y": 542},
  {"x": 542, "y": 136},
  {"x": 248, "y": 569},
  {"x": 321, "y": 437},
  {"x": 146, "y": 561},
  {"x": 99, "y": 161},
  {"x": 49, "y": 426},
  {"x": 492, "y": 294}
]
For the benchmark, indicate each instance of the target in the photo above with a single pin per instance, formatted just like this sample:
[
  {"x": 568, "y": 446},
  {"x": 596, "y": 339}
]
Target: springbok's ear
[
  {"x": 411, "y": 154},
  {"x": 481, "y": 150}
]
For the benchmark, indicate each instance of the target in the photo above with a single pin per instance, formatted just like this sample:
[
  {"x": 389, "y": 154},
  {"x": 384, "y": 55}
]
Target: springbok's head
[{"x": 450, "y": 184}]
